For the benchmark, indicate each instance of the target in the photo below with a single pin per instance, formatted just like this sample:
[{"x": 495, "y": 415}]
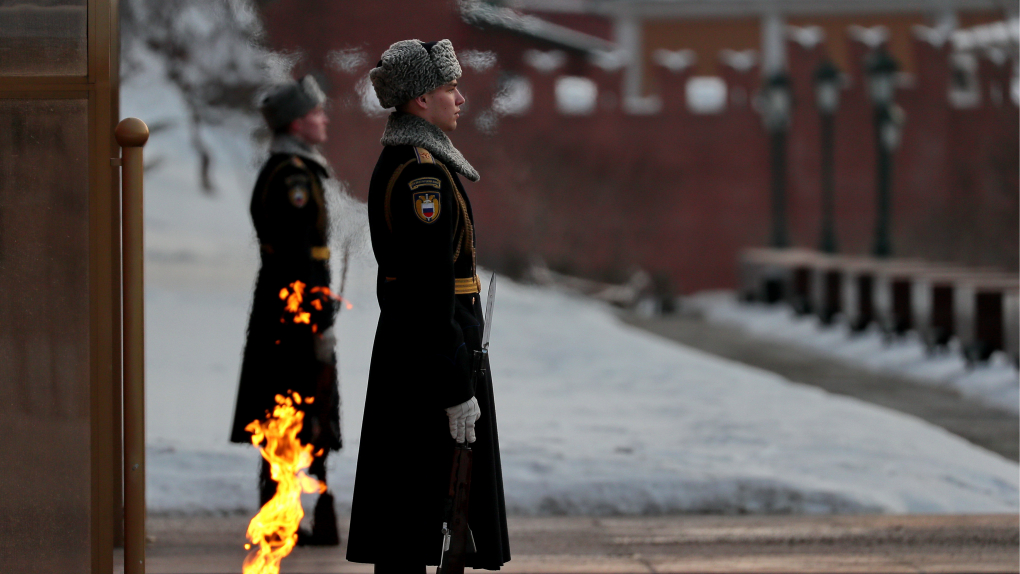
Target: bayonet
[{"x": 490, "y": 301}]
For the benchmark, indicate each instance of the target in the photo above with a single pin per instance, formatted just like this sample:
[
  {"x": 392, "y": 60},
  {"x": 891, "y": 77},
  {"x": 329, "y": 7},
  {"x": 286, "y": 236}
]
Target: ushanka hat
[
  {"x": 284, "y": 103},
  {"x": 410, "y": 68}
]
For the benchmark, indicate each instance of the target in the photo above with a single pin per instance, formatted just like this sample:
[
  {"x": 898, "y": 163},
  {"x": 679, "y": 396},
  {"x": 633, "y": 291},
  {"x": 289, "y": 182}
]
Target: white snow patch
[
  {"x": 576, "y": 95},
  {"x": 514, "y": 96},
  {"x": 996, "y": 383},
  {"x": 706, "y": 94}
]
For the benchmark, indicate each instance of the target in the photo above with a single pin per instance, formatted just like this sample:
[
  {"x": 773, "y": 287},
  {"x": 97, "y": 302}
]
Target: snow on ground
[
  {"x": 594, "y": 416},
  {"x": 996, "y": 384}
]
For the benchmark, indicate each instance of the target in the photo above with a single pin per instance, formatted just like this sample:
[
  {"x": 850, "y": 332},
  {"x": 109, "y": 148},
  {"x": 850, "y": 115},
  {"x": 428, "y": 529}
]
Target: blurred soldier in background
[
  {"x": 284, "y": 352},
  {"x": 421, "y": 395}
]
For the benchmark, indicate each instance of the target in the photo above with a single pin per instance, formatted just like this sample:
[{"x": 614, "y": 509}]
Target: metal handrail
[{"x": 131, "y": 134}]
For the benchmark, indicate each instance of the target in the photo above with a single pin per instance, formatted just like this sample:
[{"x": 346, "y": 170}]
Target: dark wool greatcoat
[
  {"x": 289, "y": 213},
  {"x": 423, "y": 238}
]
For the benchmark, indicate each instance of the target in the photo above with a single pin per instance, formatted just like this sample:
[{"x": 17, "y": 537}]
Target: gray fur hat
[
  {"x": 410, "y": 68},
  {"x": 284, "y": 103}
]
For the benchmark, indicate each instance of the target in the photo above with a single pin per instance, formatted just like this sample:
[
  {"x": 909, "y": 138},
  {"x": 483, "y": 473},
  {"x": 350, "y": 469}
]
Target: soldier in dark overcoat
[
  {"x": 420, "y": 397},
  {"x": 285, "y": 349}
]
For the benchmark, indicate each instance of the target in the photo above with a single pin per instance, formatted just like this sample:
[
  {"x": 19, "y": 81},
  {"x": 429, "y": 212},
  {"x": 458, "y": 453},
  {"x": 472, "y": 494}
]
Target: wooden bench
[
  {"x": 940, "y": 310},
  {"x": 985, "y": 322},
  {"x": 894, "y": 293},
  {"x": 979, "y": 307},
  {"x": 768, "y": 275}
]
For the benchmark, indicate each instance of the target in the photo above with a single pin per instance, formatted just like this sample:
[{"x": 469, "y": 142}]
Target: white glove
[
  {"x": 324, "y": 345},
  {"x": 462, "y": 420}
]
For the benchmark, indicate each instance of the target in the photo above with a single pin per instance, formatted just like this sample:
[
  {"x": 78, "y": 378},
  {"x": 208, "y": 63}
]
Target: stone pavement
[
  {"x": 672, "y": 544},
  {"x": 993, "y": 429}
]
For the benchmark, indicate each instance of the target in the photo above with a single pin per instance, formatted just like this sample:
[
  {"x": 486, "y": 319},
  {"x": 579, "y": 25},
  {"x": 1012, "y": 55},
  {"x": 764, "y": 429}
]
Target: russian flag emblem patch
[{"x": 426, "y": 205}]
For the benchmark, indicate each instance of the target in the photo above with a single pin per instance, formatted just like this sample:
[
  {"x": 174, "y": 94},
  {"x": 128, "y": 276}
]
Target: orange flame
[
  {"x": 274, "y": 529},
  {"x": 326, "y": 292},
  {"x": 294, "y": 297}
]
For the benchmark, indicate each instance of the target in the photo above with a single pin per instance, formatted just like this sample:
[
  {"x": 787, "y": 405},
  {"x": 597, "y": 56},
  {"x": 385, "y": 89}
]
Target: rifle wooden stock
[{"x": 460, "y": 539}]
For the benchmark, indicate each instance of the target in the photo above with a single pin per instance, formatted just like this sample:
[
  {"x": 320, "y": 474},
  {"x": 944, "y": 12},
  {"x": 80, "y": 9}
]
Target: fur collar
[
  {"x": 288, "y": 144},
  {"x": 409, "y": 129}
]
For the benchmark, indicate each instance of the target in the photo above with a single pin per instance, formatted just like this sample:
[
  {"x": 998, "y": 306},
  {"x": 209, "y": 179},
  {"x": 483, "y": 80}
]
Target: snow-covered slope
[
  {"x": 594, "y": 416},
  {"x": 996, "y": 383}
]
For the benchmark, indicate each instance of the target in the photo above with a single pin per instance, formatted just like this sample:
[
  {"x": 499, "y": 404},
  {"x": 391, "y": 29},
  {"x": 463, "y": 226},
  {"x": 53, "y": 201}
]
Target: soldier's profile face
[
  {"x": 311, "y": 127},
  {"x": 444, "y": 106}
]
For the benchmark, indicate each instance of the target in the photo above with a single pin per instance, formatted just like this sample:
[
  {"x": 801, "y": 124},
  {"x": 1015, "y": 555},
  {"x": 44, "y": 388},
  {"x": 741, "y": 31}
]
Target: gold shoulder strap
[{"x": 466, "y": 236}]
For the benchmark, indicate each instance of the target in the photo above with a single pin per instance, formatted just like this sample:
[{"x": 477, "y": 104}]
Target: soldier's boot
[
  {"x": 304, "y": 537},
  {"x": 324, "y": 528},
  {"x": 267, "y": 486}
]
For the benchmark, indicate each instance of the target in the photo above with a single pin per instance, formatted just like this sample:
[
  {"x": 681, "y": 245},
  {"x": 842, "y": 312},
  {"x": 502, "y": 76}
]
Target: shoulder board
[{"x": 423, "y": 155}]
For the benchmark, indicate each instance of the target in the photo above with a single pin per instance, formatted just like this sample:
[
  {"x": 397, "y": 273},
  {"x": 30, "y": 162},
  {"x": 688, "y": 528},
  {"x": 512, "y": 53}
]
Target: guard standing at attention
[
  {"x": 420, "y": 397},
  {"x": 290, "y": 343}
]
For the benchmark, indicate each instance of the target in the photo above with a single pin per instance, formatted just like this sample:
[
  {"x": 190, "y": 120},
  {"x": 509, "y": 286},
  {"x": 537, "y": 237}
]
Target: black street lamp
[
  {"x": 776, "y": 103},
  {"x": 827, "y": 86},
  {"x": 882, "y": 70}
]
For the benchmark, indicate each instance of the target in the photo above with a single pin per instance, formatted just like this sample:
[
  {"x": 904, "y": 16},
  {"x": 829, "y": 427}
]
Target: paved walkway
[
  {"x": 702, "y": 544},
  {"x": 680, "y": 545},
  {"x": 993, "y": 429}
]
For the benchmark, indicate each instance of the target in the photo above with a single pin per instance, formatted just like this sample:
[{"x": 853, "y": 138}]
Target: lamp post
[
  {"x": 882, "y": 69},
  {"x": 827, "y": 86},
  {"x": 776, "y": 104}
]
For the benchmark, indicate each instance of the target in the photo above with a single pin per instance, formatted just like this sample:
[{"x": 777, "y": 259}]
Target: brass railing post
[{"x": 132, "y": 133}]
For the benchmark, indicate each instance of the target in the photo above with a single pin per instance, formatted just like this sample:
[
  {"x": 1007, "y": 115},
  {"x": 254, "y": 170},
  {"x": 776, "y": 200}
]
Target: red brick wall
[{"x": 677, "y": 193}]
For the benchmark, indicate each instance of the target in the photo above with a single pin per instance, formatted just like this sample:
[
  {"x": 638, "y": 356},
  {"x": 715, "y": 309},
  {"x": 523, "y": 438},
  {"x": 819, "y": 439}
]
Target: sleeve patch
[
  {"x": 298, "y": 197},
  {"x": 426, "y": 205},
  {"x": 298, "y": 190},
  {"x": 432, "y": 182}
]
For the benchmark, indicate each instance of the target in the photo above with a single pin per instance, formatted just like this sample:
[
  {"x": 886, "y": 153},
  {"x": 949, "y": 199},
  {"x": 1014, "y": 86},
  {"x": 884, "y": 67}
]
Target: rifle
[
  {"x": 320, "y": 419},
  {"x": 458, "y": 541},
  {"x": 329, "y": 377}
]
